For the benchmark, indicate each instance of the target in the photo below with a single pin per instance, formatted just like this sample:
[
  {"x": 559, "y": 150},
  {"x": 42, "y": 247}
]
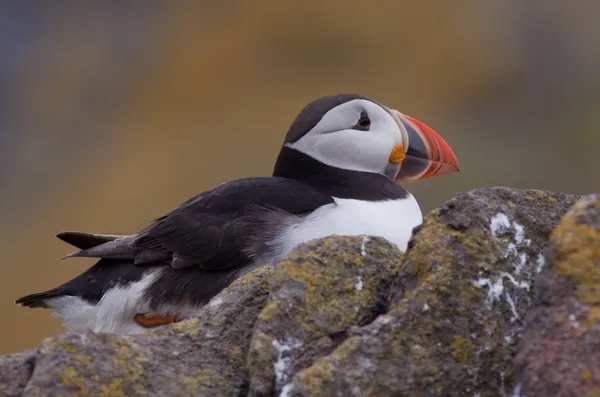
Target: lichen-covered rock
[
  {"x": 560, "y": 351},
  {"x": 15, "y": 370},
  {"x": 454, "y": 307},
  {"x": 322, "y": 289},
  {"x": 457, "y": 306},
  {"x": 198, "y": 357}
]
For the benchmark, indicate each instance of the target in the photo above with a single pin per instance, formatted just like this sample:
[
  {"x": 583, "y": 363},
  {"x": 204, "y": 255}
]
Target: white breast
[{"x": 393, "y": 220}]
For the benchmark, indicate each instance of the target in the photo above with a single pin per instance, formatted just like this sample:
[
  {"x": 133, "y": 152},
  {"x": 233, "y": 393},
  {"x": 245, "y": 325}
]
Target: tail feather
[
  {"x": 89, "y": 285},
  {"x": 83, "y": 240},
  {"x": 38, "y": 300},
  {"x": 99, "y": 246}
]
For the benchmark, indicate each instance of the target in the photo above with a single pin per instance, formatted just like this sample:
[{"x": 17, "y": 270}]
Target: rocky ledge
[{"x": 497, "y": 295}]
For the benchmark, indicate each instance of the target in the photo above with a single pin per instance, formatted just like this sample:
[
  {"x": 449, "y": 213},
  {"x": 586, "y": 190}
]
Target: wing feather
[{"x": 222, "y": 228}]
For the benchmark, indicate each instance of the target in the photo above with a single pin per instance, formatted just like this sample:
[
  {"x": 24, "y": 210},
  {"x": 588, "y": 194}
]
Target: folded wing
[{"x": 222, "y": 228}]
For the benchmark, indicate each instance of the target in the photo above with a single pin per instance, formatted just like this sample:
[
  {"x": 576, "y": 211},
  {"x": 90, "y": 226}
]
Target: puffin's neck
[{"x": 337, "y": 182}]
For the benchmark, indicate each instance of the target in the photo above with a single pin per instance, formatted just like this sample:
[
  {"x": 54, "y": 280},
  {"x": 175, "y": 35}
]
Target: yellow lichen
[
  {"x": 113, "y": 389},
  {"x": 206, "y": 378},
  {"x": 430, "y": 241},
  {"x": 190, "y": 383},
  {"x": 561, "y": 319},
  {"x": 593, "y": 316},
  {"x": 189, "y": 326},
  {"x": 70, "y": 377},
  {"x": 418, "y": 354},
  {"x": 235, "y": 354},
  {"x": 313, "y": 377},
  {"x": 85, "y": 360},
  {"x": 585, "y": 375},
  {"x": 124, "y": 358},
  {"x": 595, "y": 392},
  {"x": 270, "y": 310},
  {"x": 324, "y": 291},
  {"x": 349, "y": 346},
  {"x": 69, "y": 347},
  {"x": 577, "y": 255},
  {"x": 461, "y": 349}
]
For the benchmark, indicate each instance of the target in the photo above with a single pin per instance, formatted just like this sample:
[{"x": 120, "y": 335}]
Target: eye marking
[{"x": 363, "y": 123}]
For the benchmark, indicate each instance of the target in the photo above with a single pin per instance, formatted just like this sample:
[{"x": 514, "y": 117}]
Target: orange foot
[{"x": 154, "y": 321}]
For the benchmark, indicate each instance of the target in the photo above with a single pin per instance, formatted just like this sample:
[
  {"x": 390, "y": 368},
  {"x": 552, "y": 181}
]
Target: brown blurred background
[{"x": 112, "y": 113}]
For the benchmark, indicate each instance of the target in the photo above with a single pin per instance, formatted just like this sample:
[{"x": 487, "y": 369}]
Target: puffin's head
[{"x": 355, "y": 133}]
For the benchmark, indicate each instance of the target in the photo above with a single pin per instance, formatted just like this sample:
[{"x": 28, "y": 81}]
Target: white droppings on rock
[
  {"x": 499, "y": 224},
  {"x": 511, "y": 250},
  {"x": 573, "y": 321},
  {"x": 363, "y": 247},
  {"x": 284, "y": 362},
  {"x": 519, "y": 284},
  {"x": 520, "y": 265},
  {"x": 418, "y": 347},
  {"x": 519, "y": 232},
  {"x": 425, "y": 307},
  {"x": 541, "y": 262},
  {"x": 359, "y": 283},
  {"x": 517, "y": 391},
  {"x": 286, "y": 391},
  {"x": 495, "y": 288},
  {"x": 513, "y": 308}
]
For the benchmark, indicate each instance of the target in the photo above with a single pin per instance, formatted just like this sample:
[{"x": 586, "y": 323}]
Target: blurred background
[{"x": 112, "y": 113}]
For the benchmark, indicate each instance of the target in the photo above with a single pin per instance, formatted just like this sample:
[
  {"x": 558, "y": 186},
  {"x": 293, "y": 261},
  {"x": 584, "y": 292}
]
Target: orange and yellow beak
[{"x": 427, "y": 153}]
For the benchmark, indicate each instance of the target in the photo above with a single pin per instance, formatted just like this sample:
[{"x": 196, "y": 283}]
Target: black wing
[{"x": 222, "y": 228}]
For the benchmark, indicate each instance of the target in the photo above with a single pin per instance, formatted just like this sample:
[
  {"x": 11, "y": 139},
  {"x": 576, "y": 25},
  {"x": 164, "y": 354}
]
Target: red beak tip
[{"x": 442, "y": 159}]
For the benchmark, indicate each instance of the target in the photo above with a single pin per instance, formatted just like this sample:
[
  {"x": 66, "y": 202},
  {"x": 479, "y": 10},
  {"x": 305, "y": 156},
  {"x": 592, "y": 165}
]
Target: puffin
[{"x": 337, "y": 173}]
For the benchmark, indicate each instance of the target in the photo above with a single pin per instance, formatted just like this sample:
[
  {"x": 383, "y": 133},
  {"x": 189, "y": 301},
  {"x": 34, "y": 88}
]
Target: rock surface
[
  {"x": 457, "y": 307},
  {"x": 320, "y": 291},
  {"x": 352, "y": 316},
  {"x": 198, "y": 357},
  {"x": 560, "y": 350},
  {"x": 15, "y": 371}
]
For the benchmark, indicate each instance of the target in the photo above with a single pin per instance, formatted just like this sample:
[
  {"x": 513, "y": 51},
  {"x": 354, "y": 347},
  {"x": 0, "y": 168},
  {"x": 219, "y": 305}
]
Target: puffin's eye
[{"x": 364, "y": 122}]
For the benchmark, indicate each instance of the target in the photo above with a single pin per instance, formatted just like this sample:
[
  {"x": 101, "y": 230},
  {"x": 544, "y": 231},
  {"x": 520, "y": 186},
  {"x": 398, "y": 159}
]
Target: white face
[{"x": 357, "y": 135}]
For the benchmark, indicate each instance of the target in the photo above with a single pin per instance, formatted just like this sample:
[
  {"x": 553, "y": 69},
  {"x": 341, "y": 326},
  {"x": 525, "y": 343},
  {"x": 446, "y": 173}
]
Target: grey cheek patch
[{"x": 391, "y": 170}]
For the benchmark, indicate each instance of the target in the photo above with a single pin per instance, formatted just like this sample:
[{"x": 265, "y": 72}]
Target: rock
[
  {"x": 352, "y": 316},
  {"x": 322, "y": 289},
  {"x": 560, "y": 351},
  {"x": 199, "y": 357},
  {"x": 457, "y": 305},
  {"x": 15, "y": 370}
]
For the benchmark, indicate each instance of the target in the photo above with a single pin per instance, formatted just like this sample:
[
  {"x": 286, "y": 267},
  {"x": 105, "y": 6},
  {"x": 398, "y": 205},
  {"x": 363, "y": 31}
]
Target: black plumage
[
  {"x": 206, "y": 242},
  {"x": 222, "y": 228},
  {"x": 200, "y": 247}
]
